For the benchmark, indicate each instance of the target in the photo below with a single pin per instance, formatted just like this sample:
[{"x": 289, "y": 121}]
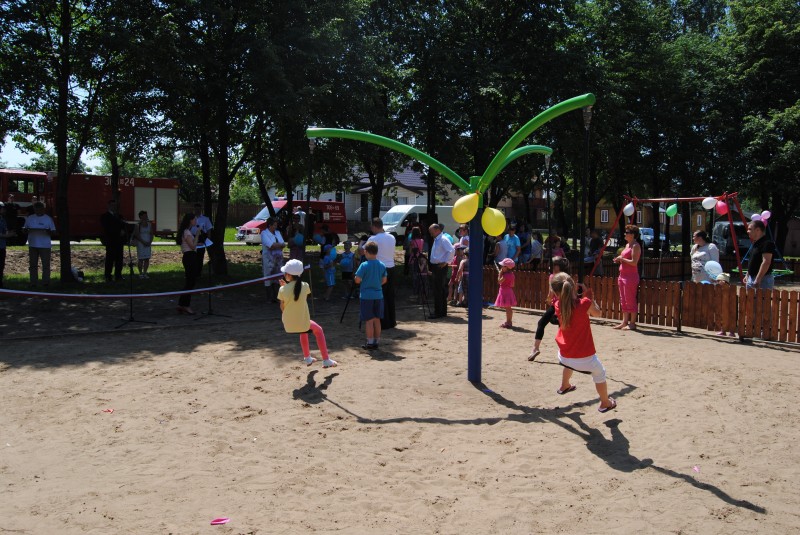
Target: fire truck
[{"x": 87, "y": 197}]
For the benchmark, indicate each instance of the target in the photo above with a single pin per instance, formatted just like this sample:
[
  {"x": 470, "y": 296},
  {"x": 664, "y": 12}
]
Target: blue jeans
[{"x": 767, "y": 283}]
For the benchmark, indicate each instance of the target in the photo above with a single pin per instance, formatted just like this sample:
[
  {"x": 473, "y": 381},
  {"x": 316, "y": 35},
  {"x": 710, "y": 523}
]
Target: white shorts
[{"x": 587, "y": 365}]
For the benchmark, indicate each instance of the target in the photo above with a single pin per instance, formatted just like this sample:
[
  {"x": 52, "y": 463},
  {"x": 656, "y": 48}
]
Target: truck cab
[{"x": 722, "y": 237}]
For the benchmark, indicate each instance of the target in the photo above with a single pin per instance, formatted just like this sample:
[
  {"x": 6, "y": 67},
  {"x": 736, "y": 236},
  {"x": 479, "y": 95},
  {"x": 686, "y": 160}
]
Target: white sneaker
[
  {"x": 309, "y": 360},
  {"x": 328, "y": 363}
]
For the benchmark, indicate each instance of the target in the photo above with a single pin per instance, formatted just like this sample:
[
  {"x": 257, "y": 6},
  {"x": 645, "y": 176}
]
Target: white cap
[{"x": 293, "y": 267}]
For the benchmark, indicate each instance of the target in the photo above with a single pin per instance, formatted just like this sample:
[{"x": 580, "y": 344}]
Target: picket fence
[{"x": 765, "y": 314}]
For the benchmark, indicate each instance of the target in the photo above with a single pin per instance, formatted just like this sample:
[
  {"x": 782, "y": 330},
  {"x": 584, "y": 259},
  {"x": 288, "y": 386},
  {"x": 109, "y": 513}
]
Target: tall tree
[
  {"x": 764, "y": 40},
  {"x": 59, "y": 56}
]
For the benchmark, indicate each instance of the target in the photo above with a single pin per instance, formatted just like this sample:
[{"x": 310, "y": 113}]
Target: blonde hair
[{"x": 564, "y": 287}]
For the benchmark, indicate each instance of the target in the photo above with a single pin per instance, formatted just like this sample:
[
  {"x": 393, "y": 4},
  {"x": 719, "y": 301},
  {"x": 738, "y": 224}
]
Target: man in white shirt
[
  {"x": 272, "y": 245},
  {"x": 40, "y": 228},
  {"x": 442, "y": 253},
  {"x": 386, "y": 244},
  {"x": 203, "y": 225}
]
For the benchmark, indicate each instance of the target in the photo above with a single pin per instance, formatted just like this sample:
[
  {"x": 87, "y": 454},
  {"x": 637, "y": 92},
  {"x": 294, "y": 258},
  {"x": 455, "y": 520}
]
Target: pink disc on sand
[{"x": 219, "y": 521}]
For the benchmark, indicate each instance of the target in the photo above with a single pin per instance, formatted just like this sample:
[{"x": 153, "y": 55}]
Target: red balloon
[{"x": 722, "y": 207}]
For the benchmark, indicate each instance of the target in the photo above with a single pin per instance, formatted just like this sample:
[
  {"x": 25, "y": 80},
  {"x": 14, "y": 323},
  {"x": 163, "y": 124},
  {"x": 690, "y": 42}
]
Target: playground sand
[{"x": 220, "y": 419}]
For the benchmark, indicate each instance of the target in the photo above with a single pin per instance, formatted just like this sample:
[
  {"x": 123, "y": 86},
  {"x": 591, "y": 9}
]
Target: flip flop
[
  {"x": 220, "y": 521},
  {"x": 567, "y": 391},
  {"x": 606, "y": 409},
  {"x": 533, "y": 355}
]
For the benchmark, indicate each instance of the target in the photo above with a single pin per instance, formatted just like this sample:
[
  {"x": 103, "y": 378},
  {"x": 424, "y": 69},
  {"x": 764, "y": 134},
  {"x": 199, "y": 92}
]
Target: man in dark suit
[{"x": 114, "y": 236}]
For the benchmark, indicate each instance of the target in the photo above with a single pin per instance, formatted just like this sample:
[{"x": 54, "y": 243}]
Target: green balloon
[{"x": 672, "y": 209}]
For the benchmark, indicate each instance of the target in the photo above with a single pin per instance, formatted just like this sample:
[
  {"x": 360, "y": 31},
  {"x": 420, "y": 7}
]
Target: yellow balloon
[
  {"x": 465, "y": 208},
  {"x": 493, "y": 222}
]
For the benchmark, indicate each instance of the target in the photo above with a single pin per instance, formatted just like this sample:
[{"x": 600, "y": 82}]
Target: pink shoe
[{"x": 506, "y": 325}]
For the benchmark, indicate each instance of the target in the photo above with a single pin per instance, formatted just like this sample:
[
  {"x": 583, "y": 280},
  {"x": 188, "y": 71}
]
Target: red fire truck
[{"x": 88, "y": 196}]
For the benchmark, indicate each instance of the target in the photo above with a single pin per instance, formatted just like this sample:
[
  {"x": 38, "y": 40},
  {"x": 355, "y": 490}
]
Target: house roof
[{"x": 407, "y": 179}]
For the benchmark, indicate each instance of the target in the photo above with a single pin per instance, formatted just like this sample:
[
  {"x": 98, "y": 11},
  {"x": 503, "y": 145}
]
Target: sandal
[
  {"x": 566, "y": 391},
  {"x": 533, "y": 355},
  {"x": 606, "y": 409}
]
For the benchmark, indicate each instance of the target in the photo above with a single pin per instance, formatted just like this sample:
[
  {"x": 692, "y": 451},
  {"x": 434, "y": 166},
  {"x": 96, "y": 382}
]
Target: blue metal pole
[{"x": 475, "y": 298}]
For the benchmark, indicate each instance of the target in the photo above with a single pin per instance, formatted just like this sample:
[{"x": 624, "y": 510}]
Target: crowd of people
[{"x": 434, "y": 258}]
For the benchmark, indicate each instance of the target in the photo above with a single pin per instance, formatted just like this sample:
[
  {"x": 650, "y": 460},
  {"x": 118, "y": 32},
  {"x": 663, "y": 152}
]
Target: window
[
  {"x": 699, "y": 220},
  {"x": 680, "y": 219},
  {"x": 638, "y": 217},
  {"x": 604, "y": 216},
  {"x": 402, "y": 200}
]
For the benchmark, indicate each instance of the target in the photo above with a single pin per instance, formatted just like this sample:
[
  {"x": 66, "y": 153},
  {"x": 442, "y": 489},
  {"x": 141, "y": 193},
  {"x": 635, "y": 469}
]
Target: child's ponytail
[
  {"x": 298, "y": 286},
  {"x": 564, "y": 287}
]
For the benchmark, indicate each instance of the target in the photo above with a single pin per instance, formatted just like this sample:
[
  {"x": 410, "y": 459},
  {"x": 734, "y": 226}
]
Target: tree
[
  {"x": 59, "y": 56},
  {"x": 764, "y": 41}
]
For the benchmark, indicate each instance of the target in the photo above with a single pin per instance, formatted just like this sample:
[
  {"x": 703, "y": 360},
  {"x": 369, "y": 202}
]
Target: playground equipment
[{"x": 468, "y": 208}]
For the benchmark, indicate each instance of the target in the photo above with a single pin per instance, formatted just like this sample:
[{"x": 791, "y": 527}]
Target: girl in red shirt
[{"x": 575, "y": 343}]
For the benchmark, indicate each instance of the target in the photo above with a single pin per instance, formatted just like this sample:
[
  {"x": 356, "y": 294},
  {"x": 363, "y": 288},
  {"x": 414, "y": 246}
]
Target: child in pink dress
[{"x": 505, "y": 295}]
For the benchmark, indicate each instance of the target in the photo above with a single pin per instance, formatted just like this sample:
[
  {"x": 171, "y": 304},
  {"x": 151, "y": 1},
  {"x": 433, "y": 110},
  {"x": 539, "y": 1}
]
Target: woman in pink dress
[
  {"x": 505, "y": 295},
  {"x": 628, "y": 280}
]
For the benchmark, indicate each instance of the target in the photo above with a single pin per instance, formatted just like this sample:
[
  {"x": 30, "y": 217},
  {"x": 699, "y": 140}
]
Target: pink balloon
[
  {"x": 722, "y": 207},
  {"x": 766, "y": 214}
]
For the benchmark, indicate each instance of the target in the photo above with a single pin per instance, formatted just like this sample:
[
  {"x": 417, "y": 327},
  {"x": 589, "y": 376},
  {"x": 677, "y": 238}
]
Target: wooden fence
[
  {"x": 766, "y": 314},
  {"x": 671, "y": 268}
]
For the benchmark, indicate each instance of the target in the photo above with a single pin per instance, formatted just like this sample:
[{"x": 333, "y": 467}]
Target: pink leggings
[
  {"x": 627, "y": 294},
  {"x": 319, "y": 336}
]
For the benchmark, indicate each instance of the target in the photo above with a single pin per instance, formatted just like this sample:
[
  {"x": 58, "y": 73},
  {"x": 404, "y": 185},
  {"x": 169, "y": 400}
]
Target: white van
[{"x": 395, "y": 219}]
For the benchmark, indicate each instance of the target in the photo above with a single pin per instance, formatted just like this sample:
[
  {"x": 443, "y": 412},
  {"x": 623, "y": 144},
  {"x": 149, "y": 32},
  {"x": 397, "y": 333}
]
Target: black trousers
[
  {"x": 2, "y": 265},
  {"x": 389, "y": 320},
  {"x": 190, "y": 271},
  {"x": 546, "y": 318},
  {"x": 114, "y": 260},
  {"x": 439, "y": 289}
]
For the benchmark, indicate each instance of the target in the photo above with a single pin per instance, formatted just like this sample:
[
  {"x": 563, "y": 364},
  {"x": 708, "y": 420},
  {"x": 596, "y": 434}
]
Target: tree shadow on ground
[{"x": 615, "y": 451}]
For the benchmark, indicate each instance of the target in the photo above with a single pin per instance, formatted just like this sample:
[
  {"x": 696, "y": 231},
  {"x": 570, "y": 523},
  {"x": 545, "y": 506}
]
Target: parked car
[
  {"x": 328, "y": 213},
  {"x": 721, "y": 237},
  {"x": 648, "y": 237}
]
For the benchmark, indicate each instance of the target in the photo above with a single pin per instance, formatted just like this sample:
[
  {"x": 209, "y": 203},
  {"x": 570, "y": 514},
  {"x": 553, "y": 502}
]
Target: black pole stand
[
  {"x": 210, "y": 311},
  {"x": 131, "y": 319}
]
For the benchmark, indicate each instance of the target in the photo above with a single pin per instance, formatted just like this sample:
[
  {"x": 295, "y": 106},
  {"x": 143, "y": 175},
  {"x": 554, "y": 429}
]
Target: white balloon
[
  {"x": 755, "y": 217},
  {"x": 713, "y": 268},
  {"x": 709, "y": 203},
  {"x": 766, "y": 214},
  {"x": 629, "y": 209}
]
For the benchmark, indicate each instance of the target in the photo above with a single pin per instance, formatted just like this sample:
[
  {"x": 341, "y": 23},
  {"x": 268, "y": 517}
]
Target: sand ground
[{"x": 218, "y": 418}]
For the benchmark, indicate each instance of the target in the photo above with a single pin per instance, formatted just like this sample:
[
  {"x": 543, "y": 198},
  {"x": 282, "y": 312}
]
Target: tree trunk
[
  {"x": 64, "y": 71},
  {"x": 217, "y": 251}
]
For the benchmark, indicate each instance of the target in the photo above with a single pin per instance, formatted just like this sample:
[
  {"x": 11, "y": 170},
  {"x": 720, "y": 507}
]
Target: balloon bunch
[
  {"x": 710, "y": 203},
  {"x": 493, "y": 221},
  {"x": 763, "y": 216}
]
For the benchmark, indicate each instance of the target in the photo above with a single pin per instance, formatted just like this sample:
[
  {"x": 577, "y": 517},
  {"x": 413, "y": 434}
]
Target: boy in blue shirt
[
  {"x": 371, "y": 275},
  {"x": 328, "y": 264},
  {"x": 347, "y": 265}
]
